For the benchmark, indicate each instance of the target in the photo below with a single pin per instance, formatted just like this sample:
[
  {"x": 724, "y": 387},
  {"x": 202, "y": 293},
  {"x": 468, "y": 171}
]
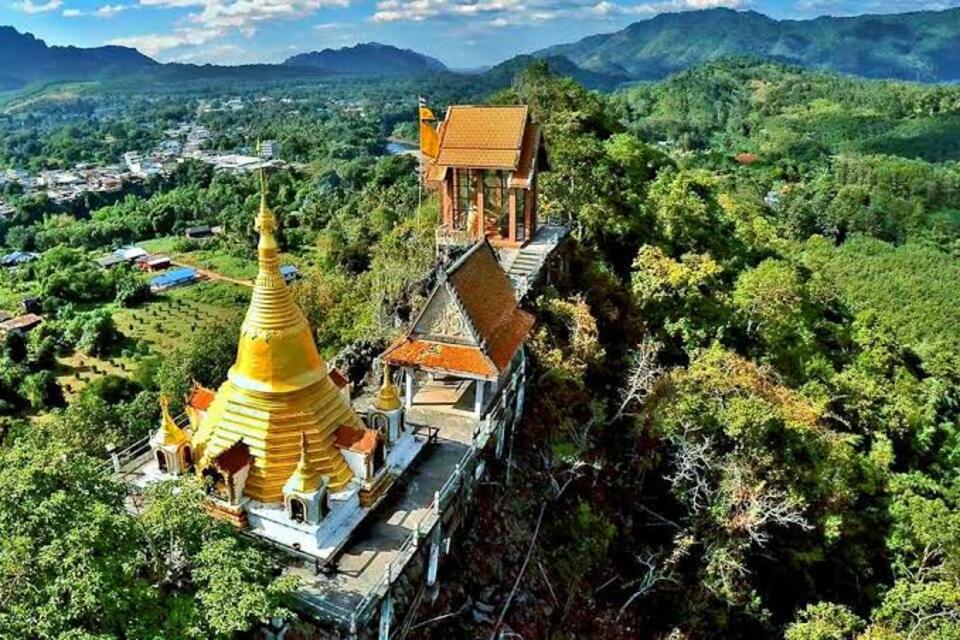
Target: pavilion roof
[
  {"x": 483, "y": 137},
  {"x": 356, "y": 439},
  {"x": 489, "y": 325},
  {"x": 201, "y": 397}
]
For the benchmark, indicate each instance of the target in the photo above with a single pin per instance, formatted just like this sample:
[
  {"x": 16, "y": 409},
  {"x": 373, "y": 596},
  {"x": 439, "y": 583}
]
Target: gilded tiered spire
[
  {"x": 388, "y": 399},
  {"x": 169, "y": 433},
  {"x": 278, "y": 389}
]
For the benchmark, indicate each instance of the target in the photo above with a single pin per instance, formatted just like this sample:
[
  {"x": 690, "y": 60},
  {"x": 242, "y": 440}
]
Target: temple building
[
  {"x": 484, "y": 164},
  {"x": 485, "y": 171},
  {"x": 466, "y": 340},
  {"x": 364, "y": 488}
]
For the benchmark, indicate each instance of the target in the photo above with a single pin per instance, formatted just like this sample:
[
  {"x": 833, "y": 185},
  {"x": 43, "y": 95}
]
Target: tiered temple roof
[
  {"x": 482, "y": 137},
  {"x": 471, "y": 326}
]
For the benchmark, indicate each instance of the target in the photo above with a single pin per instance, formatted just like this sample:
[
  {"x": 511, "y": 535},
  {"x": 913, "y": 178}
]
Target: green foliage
[
  {"x": 825, "y": 621},
  {"x": 205, "y": 359}
]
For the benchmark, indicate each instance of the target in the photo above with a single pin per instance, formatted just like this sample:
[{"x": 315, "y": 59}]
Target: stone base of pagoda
[
  {"x": 234, "y": 514},
  {"x": 369, "y": 495}
]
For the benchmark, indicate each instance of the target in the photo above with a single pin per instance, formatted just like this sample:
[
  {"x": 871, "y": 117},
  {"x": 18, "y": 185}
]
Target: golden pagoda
[
  {"x": 388, "y": 399},
  {"x": 169, "y": 433},
  {"x": 278, "y": 396}
]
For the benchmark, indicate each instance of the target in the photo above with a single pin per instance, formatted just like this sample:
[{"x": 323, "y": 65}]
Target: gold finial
[
  {"x": 266, "y": 222},
  {"x": 169, "y": 432},
  {"x": 304, "y": 463},
  {"x": 388, "y": 399}
]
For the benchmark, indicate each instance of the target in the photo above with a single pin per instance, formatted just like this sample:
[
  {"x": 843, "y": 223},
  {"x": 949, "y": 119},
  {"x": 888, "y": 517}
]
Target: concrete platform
[{"x": 363, "y": 561}]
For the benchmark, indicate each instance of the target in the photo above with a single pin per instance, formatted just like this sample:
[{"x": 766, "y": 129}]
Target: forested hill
[
  {"x": 368, "y": 59},
  {"x": 25, "y": 59},
  {"x": 922, "y": 45}
]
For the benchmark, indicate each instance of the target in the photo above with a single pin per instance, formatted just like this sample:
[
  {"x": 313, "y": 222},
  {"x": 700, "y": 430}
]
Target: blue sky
[{"x": 461, "y": 33}]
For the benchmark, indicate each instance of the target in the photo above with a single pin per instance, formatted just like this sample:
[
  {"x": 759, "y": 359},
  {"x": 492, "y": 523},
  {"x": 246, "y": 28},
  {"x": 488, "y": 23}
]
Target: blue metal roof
[
  {"x": 289, "y": 272},
  {"x": 175, "y": 277},
  {"x": 18, "y": 257}
]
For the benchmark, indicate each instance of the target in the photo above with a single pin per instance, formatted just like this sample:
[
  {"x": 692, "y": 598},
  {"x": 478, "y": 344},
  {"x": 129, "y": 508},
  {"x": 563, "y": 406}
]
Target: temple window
[
  {"x": 187, "y": 457},
  {"x": 381, "y": 424},
  {"x": 521, "y": 218},
  {"x": 298, "y": 511},
  {"x": 466, "y": 197},
  {"x": 496, "y": 206},
  {"x": 162, "y": 461}
]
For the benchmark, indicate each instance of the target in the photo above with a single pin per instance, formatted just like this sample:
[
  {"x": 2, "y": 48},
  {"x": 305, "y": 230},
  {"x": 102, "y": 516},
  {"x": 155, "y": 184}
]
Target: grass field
[{"x": 155, "y": 328}]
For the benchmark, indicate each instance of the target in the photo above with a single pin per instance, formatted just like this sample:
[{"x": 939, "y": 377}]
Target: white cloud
[
  {"x": 155, "y": 43},
  {"x": 504, "y": 13},
  {"x": 110, "y": 10},
  {"x": 27, "y": 6},
  {"x": 72, "y": 13},
  {"x": 844, "y": 7},
  {"x": 213, "y": 19}
]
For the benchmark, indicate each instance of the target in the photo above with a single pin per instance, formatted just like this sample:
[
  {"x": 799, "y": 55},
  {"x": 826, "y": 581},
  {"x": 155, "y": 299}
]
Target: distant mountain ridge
[
  {"x": 25, "y": 59},
  {"x": 504, "y": 72},
  {"x": 922, "y": 45},
  {"x": 370, "y": 59}
]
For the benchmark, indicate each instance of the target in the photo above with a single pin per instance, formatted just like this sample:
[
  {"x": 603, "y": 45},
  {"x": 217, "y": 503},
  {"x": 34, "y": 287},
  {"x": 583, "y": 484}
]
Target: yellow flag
[
  {"x": 429, "y": 140},
  {"x": 426, "y": 115}
]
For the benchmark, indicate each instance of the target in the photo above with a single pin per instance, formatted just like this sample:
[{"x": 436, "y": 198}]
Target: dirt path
[{"x": 213, "y": 275}]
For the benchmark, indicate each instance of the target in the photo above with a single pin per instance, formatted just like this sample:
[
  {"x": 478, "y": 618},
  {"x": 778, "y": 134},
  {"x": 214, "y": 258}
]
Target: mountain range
[
  {"x": 25, "y": 59},
  {"x": 370, "y": 58},
  {"x": 922, "y": 45}
]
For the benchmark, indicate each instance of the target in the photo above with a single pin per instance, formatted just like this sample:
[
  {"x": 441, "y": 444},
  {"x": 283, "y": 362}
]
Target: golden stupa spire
[
  {"x": 305, "y": 477},
  {"x": 388, "y": 399},
  {"x": 271, "y": 314},
  {"x": 169, "y": 433},
  {"x": 278, "y": 389}
]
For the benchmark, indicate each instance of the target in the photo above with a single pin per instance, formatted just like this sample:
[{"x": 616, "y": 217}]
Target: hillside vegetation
[{"x": 743, "y": 415}]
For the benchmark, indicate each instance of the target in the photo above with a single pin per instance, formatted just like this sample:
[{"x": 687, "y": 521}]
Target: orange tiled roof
[
  {"x": 528, "y": 156},
  {"x": 482, "y": 137},
  {"x": 354, "y": 439},
  {"x": 201, "y": 398},
  {"x": 487, "y": 298},
  {"x": 437, "y": 356},
  {"x": 338, "y": 379}
]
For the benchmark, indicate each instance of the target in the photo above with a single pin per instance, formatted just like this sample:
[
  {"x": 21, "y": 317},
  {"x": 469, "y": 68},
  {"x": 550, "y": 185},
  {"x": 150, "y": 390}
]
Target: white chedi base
[{"x": 326, "y": 538}]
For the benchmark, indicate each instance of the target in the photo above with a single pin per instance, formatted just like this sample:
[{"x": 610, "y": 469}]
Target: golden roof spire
[
  {"x": 272, "y": 311},
  {"x": 305, "y": 477},
  {"x": 169, "y": 433},
  {"x": 388, "y": 399}
]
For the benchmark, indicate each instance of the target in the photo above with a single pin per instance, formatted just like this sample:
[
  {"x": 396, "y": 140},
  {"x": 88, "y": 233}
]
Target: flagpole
[{"x": 419, "y": 162}]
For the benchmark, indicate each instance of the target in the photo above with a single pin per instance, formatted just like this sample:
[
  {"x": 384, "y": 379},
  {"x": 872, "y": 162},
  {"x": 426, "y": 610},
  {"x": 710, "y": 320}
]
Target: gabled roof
[
  {"x": 529, "y": 155},
  {"x": 476, "y": 297},
  {"x": 337, "y": 378},
  {"x": 201, "y": 398},
  {"x": 356, "y": 439},
  {"x": 483, "y": 137}
]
